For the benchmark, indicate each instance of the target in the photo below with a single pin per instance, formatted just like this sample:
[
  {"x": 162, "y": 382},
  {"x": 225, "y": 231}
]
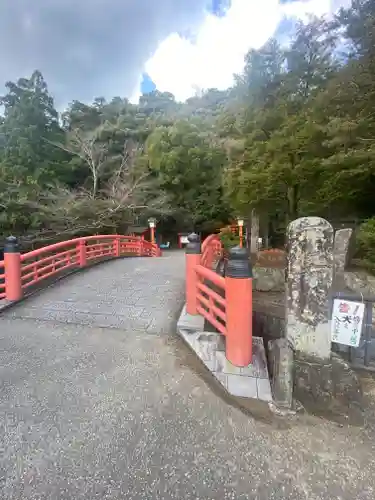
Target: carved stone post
[
  {"x": 322, "y": 381},
  {"x": 340, "y": 249},
  {"x": 309, "y": 281}
]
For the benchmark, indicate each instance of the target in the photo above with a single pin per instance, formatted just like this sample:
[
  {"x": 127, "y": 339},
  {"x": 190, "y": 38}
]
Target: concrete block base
[
  {"x": 189, "y": 322},
  {"x": 329, "y": 388},
  {"x": 281, "y": 356},
  {"x": 251, "y": 381}
]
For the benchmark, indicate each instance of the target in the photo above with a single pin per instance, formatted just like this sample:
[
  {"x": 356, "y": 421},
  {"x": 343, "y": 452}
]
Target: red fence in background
[
  {"x": 24, "y": 270},
  {"x": 226, "y": 303}
]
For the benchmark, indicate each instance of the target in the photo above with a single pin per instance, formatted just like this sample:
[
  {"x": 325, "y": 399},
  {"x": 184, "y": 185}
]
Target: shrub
[
  {"x": 228, "y": 239},
  {"x": 366, "y": 244}
]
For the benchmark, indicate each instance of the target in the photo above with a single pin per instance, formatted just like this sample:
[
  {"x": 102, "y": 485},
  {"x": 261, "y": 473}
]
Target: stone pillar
[
  {"x": 309, "y": 281},
  {"x": 340, "y": 249},
  {"x": 322, "y": 381},
  {"x": 254, "y": 232}
]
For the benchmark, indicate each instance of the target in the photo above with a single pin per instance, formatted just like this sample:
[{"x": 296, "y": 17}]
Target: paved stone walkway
[{"x": 99, "y": 399}]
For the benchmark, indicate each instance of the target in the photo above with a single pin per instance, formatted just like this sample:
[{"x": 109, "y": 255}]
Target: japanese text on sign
[{"x": 346, "y": 324}]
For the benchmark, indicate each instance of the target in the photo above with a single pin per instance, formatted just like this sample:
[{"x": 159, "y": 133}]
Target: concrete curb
[{"x": 251, "y": 382}]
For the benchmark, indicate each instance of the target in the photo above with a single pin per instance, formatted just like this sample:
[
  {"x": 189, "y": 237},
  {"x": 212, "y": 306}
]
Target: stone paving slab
[
  {"x": 251, "y": 381},
  {"x": 137, "y": 294},
  {"x": 189, "y": 322}
]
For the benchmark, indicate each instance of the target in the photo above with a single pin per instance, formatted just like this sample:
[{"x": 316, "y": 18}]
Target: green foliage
[
  {"x": 228, "y": 239},
  {"x": 189, "y": 166},
  {"x": 308, "y": 124},
  {"x": 89, "y": 175},
  {"x": 366, "y": 244},
  {"x": 293, "y": 137},
  {"x": 29, "y": 126}
]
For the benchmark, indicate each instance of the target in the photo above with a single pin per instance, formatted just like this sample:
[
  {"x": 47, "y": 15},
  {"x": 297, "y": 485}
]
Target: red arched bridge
[
  {"x": 228, "y": 308},
  {"x": 99, "y": 399}
]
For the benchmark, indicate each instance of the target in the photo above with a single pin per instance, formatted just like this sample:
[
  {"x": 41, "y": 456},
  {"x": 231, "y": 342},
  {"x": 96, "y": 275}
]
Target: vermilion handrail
[
  {"x": 62, "y": 244},
  {"x": 211, "y": 304},
  {"x": 226, "y": 303},
  {"x": 2, "y": 281},
  {"x": 210, "y": 275},
  {"x": 23, "y": 271}
]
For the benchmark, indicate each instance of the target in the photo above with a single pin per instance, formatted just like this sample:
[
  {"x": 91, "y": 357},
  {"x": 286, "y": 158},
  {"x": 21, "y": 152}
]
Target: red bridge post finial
[
  {"x": 225, "y": 302},
  {"x": 82, "y": 259},
  {"x": 117, "y": 246},
  {"x": 12, "y": 268},
  {"x": 193, "y": 259},
  {"x": 239, "y": 307}
]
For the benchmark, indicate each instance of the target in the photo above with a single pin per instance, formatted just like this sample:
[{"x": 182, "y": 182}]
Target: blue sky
[
  {"x": 217, "y": 7},
  {"x": 91, "y": 48},
  {"x": 147, "y": 85},
  {"x": 215, "y": 53}
]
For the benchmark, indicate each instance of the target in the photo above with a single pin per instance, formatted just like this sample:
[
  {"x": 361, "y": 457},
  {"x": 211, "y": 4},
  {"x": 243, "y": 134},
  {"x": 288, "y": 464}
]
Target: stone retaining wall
[{"x": 268, "y": 279}]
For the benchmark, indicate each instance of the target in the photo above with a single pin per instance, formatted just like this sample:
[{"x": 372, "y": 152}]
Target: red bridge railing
[
  {"x": 226, "y": 303},
  {"x": 21, "y": 271}
]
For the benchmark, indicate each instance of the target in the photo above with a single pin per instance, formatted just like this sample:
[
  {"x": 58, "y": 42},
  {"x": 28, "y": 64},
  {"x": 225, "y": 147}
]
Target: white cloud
[{"x": 182, "y": 66}]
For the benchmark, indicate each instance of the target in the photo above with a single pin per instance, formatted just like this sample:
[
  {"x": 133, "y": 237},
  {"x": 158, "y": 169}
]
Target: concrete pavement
[{"x": 99, "y": 399}]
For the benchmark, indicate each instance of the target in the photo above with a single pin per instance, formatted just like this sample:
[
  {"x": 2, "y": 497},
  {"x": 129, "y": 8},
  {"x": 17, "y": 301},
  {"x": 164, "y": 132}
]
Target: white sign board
[
  {"x": 346, "y": 323},
  {"x": 184, "y": 240}
]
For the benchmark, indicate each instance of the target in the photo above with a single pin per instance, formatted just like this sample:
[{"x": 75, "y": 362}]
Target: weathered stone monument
[
  {"x": 322, "y": 381},
  {"x": 341, "y": 248},
  {"x": 309, "y": 281}
]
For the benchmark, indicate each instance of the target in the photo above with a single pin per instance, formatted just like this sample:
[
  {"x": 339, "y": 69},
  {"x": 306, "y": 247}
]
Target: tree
[
  {"x": 282, "y": 146},
  {"x": 294, "y": 136},
  {"x": 157, "y": 102},
  {"x": 128, "y": 190},
  {"x": 345, "y": 112},
  {"x": 190, "y": 168},
  {"x": 29, "y": 126},
  {"x": 92, "y": 152}
]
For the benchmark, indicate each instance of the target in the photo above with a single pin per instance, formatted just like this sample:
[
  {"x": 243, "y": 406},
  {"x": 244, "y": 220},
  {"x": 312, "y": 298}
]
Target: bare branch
[{"x": 126, "y": 189}]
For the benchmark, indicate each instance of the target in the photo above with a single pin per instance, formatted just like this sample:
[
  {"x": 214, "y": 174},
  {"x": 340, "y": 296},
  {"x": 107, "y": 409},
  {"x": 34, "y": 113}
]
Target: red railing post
[
  {"x": 82, "y": 258},
  {"x": 116, "y": 246},
  {"x": 193, "y": 258},
  {"x": 142, "y": 245},
  {"x": 12, "y": 269},
  {"x": 239, "y": 307}
]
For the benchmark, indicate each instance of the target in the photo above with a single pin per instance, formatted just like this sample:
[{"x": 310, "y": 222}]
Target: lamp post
[
  {"x": 240, "y": 222},
  {"x": 152, "y": 224}
]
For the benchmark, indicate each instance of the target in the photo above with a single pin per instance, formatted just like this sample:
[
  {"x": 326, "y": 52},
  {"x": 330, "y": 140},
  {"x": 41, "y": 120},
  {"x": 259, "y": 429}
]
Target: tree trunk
[
  {"x": 254, "y": 232},
  {"x": 265, "y": 230},
  {"x": 293, "y": 199},
  {"x": 248, "y": 230},
  {"x": 94, "y": 184}
]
